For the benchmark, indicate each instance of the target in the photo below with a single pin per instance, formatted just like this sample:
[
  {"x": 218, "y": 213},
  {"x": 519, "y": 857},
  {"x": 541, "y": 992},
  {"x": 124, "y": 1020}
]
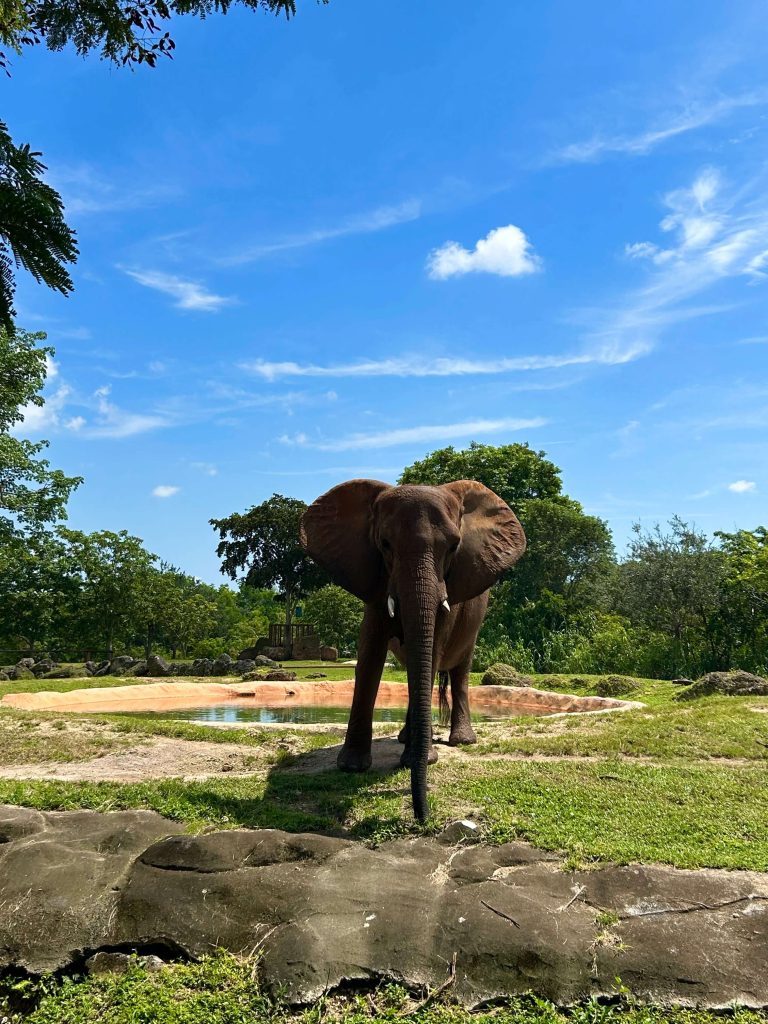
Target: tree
[
  {"x": 35, "y": 592},
  {"x": 32, "y": 495},
  {"x": 336, "y": 615},
  {"x": 33, "y": 231},
  {"x": 263, "y": 544},
  {"x": 744, "y": 614},
  {"x": 671, "y": 583},
  {"x": 111, "y": 570}
]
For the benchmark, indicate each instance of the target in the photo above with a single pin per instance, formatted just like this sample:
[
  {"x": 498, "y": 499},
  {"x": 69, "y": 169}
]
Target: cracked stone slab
[{"x": 324, "y": 911}]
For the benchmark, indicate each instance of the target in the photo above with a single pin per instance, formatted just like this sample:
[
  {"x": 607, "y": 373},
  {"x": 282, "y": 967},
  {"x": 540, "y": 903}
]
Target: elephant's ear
[
  {"x": 336, "y": 532},
  {"x": 492, "y": 540}
]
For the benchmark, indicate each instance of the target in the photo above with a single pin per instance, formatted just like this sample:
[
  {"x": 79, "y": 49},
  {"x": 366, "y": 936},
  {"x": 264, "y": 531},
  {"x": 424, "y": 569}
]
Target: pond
[{"x": 299, "y": 714}]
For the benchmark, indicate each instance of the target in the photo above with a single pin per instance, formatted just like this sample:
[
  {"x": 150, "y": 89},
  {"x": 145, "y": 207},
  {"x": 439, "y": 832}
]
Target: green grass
[
  {"x": 687, "y": 816},
  {"x": 224, "y": 989}
]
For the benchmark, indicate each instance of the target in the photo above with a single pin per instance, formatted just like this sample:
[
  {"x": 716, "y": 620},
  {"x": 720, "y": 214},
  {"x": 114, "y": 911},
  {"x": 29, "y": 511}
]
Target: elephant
[{"x": 422, "y": 558}]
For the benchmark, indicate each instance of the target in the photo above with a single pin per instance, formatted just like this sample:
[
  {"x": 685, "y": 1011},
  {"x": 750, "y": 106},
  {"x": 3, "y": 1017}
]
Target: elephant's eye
[{"x": 453, "y": 548}]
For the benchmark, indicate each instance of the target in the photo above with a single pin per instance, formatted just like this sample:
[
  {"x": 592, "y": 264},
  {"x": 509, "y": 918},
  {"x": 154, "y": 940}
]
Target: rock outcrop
[{"x": 330, "y": 911}]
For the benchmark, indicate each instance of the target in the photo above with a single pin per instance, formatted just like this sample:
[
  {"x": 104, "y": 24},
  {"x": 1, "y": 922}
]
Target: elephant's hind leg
[{"x": 461, "y": 721}]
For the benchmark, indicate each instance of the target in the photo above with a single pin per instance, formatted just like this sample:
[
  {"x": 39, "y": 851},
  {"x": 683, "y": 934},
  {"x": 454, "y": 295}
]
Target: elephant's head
[{"x": 414, "y": 549}]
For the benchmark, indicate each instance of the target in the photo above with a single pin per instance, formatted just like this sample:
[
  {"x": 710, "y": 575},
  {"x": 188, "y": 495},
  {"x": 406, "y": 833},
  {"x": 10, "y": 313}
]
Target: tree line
[{"x": 678, "y": 603}]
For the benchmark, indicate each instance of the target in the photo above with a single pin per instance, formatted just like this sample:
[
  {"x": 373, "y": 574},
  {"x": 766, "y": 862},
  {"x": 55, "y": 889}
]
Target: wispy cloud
[
  {"x": 414, "y": 435},
  {"x": 742, "y": 486},
  {"x": 187, "y": 294},
  {"x": 111, "y": 421},
  {"x": 165, "y": 491},
  {"x": 504, "y": 251},
  {"x": 713, "y": 235},
  {"x": 379, "y": 219},
  {"x": 681, "y": 122},
  {"x": 88, "y": 191},
  {"x": 206, "y": 468},
  {"x": 421, "y": 366}
]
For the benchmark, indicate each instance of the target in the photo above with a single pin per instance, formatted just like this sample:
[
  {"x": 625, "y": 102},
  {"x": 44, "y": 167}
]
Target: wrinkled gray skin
[{"x": 434, "y": 551}]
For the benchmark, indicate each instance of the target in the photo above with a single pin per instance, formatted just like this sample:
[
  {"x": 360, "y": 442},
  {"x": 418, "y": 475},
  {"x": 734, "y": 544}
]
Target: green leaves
[{"x": 33, "y": 232}]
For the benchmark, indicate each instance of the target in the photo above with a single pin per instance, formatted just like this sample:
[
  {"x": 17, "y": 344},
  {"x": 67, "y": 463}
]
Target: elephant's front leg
[
  {"x": 461, "y": 721},
  {"x": 355, "y": 755}
]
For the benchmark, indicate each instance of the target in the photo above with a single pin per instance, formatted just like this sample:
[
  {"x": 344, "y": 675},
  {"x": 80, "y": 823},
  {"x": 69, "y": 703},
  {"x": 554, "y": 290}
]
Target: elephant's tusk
[
  {"x": 446, "y": 605},
  {"x": 391, "y": 606}
]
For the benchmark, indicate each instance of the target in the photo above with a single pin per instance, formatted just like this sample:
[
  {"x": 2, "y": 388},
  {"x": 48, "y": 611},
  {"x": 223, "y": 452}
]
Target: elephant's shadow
[{"x": 307, "y": 793}]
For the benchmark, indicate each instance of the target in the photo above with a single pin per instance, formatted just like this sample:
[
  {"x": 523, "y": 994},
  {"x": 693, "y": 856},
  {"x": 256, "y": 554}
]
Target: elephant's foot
[
  {"x": 405, "y": 757},
  {"x": 402, "y": 736},
  {"x": 353, "y": 760},
  {"x": 462, "y": 735}
]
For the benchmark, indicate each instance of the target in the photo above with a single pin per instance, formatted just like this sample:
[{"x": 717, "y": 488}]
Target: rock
[
  {"x": 20, "y": 672},
  {"x": 615, "y": 686},
  {"x": 26, "y": 663},
  {"x": 262, "y": 659},
  {"x": 329, "y": 654},
  {"x": 465, "y": 831},
  {"x": 317, "y": 675},
  {"x": 91, "y": 667},
  {"x": 120, "y": 963},
  {"x": 682, "y": 681},
  {"x": 280, "y": 675},
  {"x": 202, "y": 667},
  {"x": 504, "y": 675},
  {"x": 249, "y": 654},
  {"x": 139, "y": 669},
  {"x": 732, "y": 684},
  {"x": 157, "y": 666},
  {"x": 241, "y": 666},
  {"x": 65, "y": 672},
  {"x": 182, "y": 668},
  {"x": 274, "y": 653},
  {"x": 329, "y": 912},
  {"x": 255, "y": 675},
  {"x": 4, "y": 676},
  {"x": 222, "y": 666},
  {"x": 44, "y": 665},
  {"x": 117, "y": 667}
]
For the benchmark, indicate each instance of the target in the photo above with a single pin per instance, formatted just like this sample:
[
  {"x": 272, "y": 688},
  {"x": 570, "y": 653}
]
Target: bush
[
  {"x": 499, "y": 648},
  {"x": 615, "y": 686}
]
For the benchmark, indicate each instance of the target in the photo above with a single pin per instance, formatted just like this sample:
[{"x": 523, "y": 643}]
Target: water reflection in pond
[{"x": 294, "y": 714}]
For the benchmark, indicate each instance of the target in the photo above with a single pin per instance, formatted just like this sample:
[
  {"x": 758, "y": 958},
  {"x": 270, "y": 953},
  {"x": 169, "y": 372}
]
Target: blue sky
[{"x": 321, "y": 249}]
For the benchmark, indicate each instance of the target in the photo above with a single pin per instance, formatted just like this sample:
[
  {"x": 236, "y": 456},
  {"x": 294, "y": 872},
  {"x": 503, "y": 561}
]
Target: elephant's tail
[{"x": 445, "y": 707}]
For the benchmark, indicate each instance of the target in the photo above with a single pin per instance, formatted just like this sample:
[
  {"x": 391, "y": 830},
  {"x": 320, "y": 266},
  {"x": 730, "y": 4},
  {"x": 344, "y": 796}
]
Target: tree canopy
[{"x": 32, "y": 495}]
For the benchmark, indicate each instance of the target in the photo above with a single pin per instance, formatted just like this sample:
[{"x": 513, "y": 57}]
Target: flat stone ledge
[{"x": 327, "y": 911}]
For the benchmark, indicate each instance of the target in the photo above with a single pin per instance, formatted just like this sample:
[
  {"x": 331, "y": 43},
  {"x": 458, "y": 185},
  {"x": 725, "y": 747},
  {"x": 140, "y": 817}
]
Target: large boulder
[
  {"x": 730, "y": 684},
  {"x": 25, "y": 663},
  {"x": 4, "y": 677},
  {"x": 202, "y": 667},
  {"x": 40, "y": 668},
  {"x": 117, "y": 666},
  {"x": 329, "y": 912},
  {"x": 504, "y": 675},
  {"x": 64, "y": 672},
  {"x": 157, "y": 666},
  {"x": 249, "y": 653},
  {"x": 241, "y": 666},
  {"x": 280, "y": 675},
  {"x": 21, "y": 672},
  {"x": 275, "y": 653},
  {"x": 222, "y": 666},
  {"x": 139, "y": 669},
  {"x": 182, "y": 668},
  {"x": 265, "y": 662},
  {"x": 329, "y": 654}
]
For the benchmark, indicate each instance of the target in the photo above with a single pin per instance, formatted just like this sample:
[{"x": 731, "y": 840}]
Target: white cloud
[
  {"x": 742, "y": 486},
  {"x": 206, "y": 468},
  {"x": 37, "y": 419},
  {"x": 715, "y": 234},
  {"x": 420, "y": 366},
  {"x": 165, "y": 491},
  {"x": 413, "y": 435},
  {"x": 688, "y": 120},
  {"x": 75, "y": 423},
  {"x": 505, "y": 251},
  {"x": 114, "y": 422},
  {"x": 87, "y": 191},
  {"x": 379, "y": 219},
  {"x": 187, "y": 294}
]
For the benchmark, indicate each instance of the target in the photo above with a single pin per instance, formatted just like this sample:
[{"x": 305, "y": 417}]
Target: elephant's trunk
[{"x": 419, "y": 599}]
